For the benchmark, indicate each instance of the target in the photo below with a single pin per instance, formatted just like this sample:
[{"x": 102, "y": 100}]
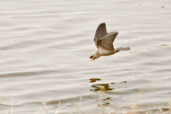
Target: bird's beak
[{"x": 92, "y": 59}]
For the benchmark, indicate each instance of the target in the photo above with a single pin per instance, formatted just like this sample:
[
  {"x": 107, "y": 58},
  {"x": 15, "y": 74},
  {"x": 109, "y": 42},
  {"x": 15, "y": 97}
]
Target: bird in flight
[{"x": 104, "y": 42}]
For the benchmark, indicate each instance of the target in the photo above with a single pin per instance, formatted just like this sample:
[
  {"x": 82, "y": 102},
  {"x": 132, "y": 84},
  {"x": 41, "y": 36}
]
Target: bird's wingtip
[{"x": 102, "y": 23}]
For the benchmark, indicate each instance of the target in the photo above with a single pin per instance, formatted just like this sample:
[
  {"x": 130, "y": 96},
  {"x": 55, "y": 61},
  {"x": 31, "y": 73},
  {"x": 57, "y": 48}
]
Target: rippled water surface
[{"x": 44, "y": 56}]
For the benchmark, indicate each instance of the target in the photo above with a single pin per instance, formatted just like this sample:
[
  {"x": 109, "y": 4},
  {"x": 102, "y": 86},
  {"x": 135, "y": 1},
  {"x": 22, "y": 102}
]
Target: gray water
[{"x": 44, "y": 56}]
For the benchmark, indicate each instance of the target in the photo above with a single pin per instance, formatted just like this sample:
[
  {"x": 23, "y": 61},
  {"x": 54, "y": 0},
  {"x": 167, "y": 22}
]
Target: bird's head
[{"x": 94, "y": 56}]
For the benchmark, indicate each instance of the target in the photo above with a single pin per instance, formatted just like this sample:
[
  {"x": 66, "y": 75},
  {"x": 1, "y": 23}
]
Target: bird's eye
[{"x": 91, "y": 56}]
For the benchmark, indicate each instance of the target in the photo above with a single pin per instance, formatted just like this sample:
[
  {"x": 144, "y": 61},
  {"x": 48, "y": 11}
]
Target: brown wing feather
[
  {"x": 101, "y": 31},
  {"x": 107, "y": 41}
]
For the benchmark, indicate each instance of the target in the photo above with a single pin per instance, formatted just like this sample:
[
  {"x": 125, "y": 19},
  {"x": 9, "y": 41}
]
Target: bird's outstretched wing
[
  {"x": 107, "y": 40},
  {"x": 100, "y": 33}
]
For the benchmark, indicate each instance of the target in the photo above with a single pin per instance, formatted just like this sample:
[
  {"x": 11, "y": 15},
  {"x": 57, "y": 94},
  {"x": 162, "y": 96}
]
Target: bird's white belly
[{"x": 105, "y": 52}]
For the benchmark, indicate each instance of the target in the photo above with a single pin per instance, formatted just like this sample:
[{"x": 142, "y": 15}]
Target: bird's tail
[{"x": 123, "y": 48}]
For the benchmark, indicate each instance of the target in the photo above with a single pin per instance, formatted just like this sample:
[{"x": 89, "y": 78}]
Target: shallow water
[{"x": 45, "y": 48}]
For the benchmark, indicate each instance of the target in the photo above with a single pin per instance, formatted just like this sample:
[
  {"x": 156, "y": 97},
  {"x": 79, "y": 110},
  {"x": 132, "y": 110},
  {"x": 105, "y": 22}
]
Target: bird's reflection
[
  {"x": 92, "y": 80},
  {"x": 101, "y": 88}
]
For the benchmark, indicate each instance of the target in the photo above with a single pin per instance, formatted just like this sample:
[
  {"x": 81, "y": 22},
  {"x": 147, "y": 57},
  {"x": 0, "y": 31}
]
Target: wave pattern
[{"x": 45, "y": 46}]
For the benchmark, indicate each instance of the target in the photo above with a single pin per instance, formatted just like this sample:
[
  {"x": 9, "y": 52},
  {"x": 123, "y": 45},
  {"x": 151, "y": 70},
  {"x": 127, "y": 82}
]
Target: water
[{"x": 45, "y": 48}]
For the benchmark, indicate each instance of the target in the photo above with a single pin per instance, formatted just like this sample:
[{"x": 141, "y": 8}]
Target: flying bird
[{"x": 104, "y": 42}]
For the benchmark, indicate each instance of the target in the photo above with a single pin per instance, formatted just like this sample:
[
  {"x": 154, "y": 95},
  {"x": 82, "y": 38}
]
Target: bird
[{"x": 104, "y": 42}]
